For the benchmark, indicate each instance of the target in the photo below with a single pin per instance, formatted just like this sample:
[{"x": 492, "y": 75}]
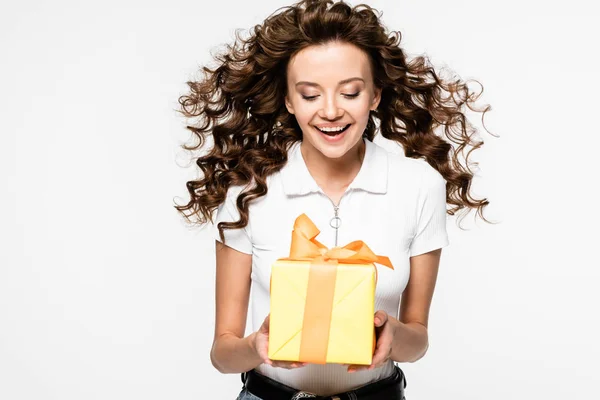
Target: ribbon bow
[
  {"x": 305, "y": 247},
  {"x": 321, "y": 282}
]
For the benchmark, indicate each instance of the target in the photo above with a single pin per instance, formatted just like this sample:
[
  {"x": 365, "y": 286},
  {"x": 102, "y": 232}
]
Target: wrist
[
  {"x": 396, "y": 325},
  {"x": 410, "y": 341}
]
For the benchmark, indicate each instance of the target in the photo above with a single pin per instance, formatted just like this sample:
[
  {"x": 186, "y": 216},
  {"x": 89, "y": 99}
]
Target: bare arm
[
  {"x": 231, "y": 351},
  {"x": 411, "y": 337}
]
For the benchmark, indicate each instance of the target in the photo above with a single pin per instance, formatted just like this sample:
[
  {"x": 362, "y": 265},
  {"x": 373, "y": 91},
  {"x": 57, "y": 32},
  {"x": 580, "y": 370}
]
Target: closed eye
[{"x": 349, "y": 96}]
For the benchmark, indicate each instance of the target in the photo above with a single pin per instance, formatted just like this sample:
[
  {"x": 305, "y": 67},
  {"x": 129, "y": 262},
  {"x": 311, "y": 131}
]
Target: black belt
[{"x": 390, "y": 388}]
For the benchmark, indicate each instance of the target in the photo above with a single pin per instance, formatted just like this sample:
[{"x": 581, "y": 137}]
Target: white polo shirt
[{"x": 396, "y": 205}]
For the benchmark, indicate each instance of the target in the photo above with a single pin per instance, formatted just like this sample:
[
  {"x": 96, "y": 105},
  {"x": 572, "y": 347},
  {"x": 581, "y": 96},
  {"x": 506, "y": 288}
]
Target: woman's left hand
[{"x": 383, "y": 348}]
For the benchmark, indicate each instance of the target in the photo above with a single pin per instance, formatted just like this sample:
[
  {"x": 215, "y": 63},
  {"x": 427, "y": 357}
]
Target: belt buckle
[{"x": 303, "y": 395}]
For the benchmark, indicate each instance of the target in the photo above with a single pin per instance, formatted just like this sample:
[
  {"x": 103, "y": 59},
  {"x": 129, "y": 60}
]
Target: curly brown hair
[{"x": 241, "y": 104}]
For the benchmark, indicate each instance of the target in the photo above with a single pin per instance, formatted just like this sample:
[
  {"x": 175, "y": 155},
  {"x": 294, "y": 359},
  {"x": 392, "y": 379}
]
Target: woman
[{"x": 292, "y": 114}]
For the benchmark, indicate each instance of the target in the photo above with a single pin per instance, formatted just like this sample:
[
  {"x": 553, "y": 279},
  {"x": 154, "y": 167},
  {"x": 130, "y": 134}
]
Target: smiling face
[{"x": 330, "y": 88}]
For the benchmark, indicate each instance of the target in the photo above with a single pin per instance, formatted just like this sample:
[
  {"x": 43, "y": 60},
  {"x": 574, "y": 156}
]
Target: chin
[{"x": 334, "y": 152}]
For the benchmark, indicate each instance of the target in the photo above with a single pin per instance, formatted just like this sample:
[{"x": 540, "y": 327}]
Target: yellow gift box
[{"x": 323, "y": 301}]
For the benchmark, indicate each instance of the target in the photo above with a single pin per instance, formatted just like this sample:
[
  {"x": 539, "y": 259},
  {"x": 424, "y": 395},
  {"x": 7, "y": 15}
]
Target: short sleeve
[
  {"x": 238, "y": 239},
  {"x": 431, "y": 233}
]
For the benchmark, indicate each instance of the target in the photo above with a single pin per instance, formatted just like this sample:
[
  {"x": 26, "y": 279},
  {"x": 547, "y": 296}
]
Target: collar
[{"x": 372, "y": 176}]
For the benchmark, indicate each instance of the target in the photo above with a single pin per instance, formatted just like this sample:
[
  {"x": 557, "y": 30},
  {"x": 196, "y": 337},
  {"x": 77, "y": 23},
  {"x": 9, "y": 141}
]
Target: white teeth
[{"x": 337, "y": 129}]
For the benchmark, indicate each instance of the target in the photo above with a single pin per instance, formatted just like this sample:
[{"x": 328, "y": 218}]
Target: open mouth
[{"x": 334, "y": 133}]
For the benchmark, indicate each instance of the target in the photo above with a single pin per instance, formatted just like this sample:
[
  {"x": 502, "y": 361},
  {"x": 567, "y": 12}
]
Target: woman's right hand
[{"x": 261, "y": 345}]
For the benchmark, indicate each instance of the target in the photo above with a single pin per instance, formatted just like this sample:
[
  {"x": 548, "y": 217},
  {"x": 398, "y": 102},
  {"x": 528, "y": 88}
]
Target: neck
[{"x": 335, "y": 174}]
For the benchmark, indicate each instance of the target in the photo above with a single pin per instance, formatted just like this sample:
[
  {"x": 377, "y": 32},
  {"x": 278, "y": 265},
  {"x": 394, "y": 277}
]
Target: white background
[{"x": 106, "y": 294}]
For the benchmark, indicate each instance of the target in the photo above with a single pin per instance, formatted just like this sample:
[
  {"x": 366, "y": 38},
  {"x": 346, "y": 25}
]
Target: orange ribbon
[{"x": 321, "y": 282}]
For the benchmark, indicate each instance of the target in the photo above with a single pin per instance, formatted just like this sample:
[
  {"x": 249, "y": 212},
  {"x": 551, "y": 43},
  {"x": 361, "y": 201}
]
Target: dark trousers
[{"x": 260, "y": 387}]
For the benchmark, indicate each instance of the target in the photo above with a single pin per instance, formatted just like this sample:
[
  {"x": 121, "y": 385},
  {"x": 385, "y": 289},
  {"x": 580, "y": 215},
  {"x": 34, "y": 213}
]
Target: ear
[
  {"x": 288, "y": 105},
  {"x": 376, "y": 98}
]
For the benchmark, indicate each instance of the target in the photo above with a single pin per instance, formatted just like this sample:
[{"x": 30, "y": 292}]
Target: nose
[{"x": 331, "y": 110}]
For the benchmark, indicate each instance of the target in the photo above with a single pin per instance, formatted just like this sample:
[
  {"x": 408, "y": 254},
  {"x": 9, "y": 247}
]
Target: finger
[
  {"x": 382, "y": 351},
  {"x": 383, "y": 347},
  {"x": 285, "y": 365},
  {"x": 263, "y": 350},
  {"x": 290, "y": 365},
  {"x": 356, "y": 368},
  {"x": 296, "y": 364},
  {"x": 262, "y": 353},
  {"x": 381, "y": 318}
]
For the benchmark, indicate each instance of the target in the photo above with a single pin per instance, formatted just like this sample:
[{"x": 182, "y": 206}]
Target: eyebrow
[{"x": 355, "y": 78}]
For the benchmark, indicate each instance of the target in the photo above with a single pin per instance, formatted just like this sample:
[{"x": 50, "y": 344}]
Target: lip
[
  {"x": 332, "y": 125},
  {"x": 347, "y": 126},
  {"x": 336, "y": 138}
]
